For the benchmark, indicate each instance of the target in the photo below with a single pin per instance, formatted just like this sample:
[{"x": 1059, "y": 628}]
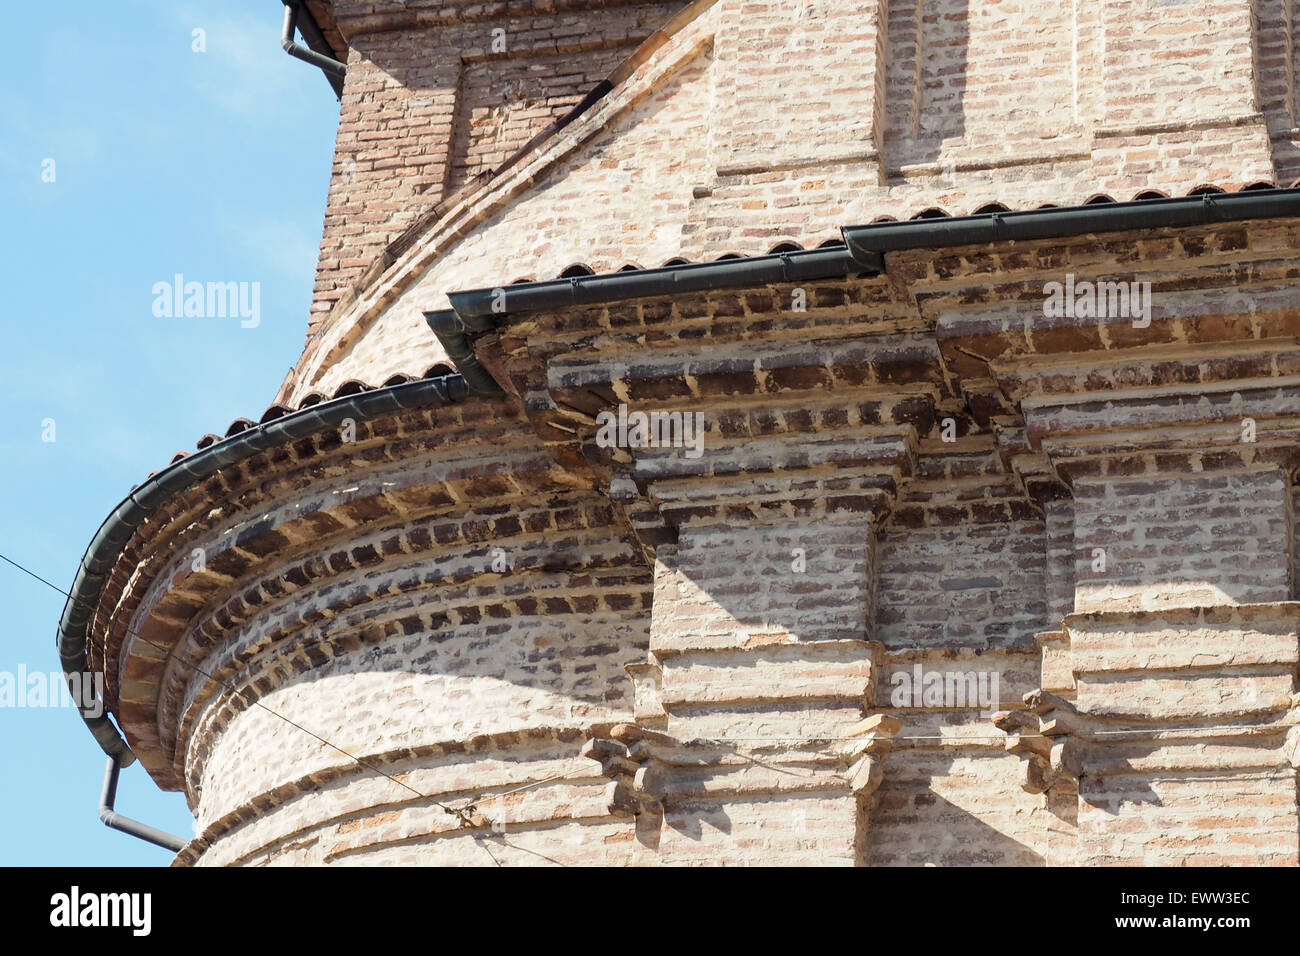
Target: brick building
[{"x": 987, "y": 314}]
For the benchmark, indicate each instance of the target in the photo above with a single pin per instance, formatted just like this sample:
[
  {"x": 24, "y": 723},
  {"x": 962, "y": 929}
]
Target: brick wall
[
  {"x": 1213, "y": 784},
  {"x": 503, "y": 104},
  {"x": 1216, "y": 539},
  {"x": 732, "y": 137},
  {"x": 759, "y": 629},
  {"x": 774, "y": 110},
  {"x": 958, "y": 72},
  {"x": 585, "y": 220},
  {"x": 794, "y": 582},
  {"x": 428, "y": 104},
  {"x": 962, "y": 586},
  {"x": 956, "y": 807},
  {"x": 692, "y": 660},
  {"x": 950, "y": 796},
  {"x": 1244, "y": 820}
]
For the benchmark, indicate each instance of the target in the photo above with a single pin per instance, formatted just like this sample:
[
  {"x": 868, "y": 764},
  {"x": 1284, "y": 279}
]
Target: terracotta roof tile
[{"x": 273, "y": 412}]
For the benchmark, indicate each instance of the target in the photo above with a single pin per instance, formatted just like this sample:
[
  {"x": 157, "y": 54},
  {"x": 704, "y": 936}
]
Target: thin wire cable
[
  {"x": 495, "y": 861},
  {"x": 963, "y": 738},
  {"x": 811, "y": 737},
  {"x": 463, "y": 813},
  {"x": 537, "y": 783}
]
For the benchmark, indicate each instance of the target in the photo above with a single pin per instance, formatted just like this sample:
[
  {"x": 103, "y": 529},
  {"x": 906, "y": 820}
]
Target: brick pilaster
[{"x": 761, "y": 667}]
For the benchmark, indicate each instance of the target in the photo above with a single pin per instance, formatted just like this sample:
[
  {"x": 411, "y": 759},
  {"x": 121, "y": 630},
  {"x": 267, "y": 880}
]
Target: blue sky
[{"x": 210, "y": 164}]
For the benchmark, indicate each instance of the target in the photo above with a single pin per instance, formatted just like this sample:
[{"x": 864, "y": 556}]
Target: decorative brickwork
[{"x": 926, "y": 570}]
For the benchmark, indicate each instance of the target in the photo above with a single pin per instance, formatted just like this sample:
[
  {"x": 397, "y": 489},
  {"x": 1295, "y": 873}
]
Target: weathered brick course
[{"x": 544, "y": 647}]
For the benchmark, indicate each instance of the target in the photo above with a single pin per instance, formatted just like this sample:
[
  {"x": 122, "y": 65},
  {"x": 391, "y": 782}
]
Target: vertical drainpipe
[
  {"x": 110, "y": 818},
  {"x": 333, "y": 69}
]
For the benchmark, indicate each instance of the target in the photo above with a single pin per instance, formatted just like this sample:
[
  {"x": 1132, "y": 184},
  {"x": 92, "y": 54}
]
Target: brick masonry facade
[{"x": 949, "y": 579}]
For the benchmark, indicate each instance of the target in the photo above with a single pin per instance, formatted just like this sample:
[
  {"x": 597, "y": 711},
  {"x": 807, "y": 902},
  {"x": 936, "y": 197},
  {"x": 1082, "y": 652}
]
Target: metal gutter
[
  {"x": 317, "y": 52},
  {"x": 115, "y": 821},
  {"x": 450, "y": 329},
  {"x": 478, "y": 308},
  {"x": 867, "y": 243},
  {"x": 121, "y": 524}
]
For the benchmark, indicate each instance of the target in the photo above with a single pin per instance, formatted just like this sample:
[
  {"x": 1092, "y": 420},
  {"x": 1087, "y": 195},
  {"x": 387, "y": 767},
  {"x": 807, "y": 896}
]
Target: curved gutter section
[
  {"x": 450, "y": 329},
  {"x": 317, "y": 52},
  {"x": 867, "y": 243},
  {"x": 114, "y": 820},
  {"x": 477, "y": 307},
  {"x": 121, "y": 524}
]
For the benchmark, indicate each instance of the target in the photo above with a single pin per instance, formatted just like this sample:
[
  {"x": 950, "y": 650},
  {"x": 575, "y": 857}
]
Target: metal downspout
[
  {"x": 333, "y": 69},
  {"x": 450, "y": 330},
  {"x": 135, "y": 828},
  {"x": 123, "y": 521}
]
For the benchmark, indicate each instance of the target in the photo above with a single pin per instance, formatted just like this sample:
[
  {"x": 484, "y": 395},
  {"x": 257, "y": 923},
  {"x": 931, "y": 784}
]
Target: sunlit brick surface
[{"x": 524, "y": 645}]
